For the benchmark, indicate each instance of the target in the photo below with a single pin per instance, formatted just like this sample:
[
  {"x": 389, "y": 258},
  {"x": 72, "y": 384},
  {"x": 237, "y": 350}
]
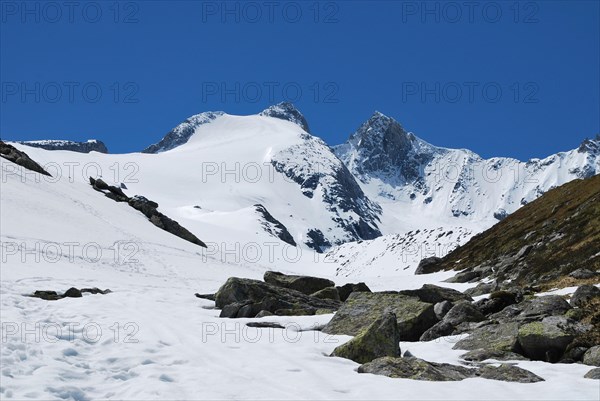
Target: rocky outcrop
[
  {"x": 16, "y": 156},
  {"x": 287, "y": 111},
  {"x": 240, "y": 297},
  {"x": 148, "y": 208},
  {"x": 72, "y": 292},
  {"x": 273, "y": 226},
  {"x": 92, "y": 145},
  {"x": 593, "y": 374},
  {"x": 428, "y": 265},
  {"x": 305, "y": 284},
  {"x": 493, "y": 338},
  {"x": 182, "y": 133},
  {"x": 361, "y": 309},
  {"x": 381, "y": 338}
]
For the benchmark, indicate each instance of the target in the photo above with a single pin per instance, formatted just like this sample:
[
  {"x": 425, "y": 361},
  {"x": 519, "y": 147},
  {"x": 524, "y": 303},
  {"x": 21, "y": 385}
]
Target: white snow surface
[{"x": 151, "y": 338}]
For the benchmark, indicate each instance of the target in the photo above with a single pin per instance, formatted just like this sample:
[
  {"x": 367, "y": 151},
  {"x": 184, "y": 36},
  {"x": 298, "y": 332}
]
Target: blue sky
[{"x": 516, "y": 79}]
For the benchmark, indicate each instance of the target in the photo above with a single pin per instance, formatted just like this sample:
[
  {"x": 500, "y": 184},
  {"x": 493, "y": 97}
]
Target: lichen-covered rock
[
  {"x": 584, "y": 294},
  {"x": 327, "y": 293},
  {"x": 543, "y": 341},
  {"x": 380, "y": 339},
  {"x": 494, "y": 337},
  {"x": 508, "y": 373},
  {"x": 305, "y": 284},
  {"x": 592, "y": 356},
  {"x": 363, "y": 308},
  {"x": 416, "y": 369}
]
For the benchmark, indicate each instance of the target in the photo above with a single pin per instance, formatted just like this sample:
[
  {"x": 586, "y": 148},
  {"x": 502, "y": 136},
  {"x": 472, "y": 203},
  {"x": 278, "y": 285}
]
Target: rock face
[
  {"x": 274, "y": 226},
  {"x": 287, "y": 111},
  {"x": 92, "y": 145},
  {"x": 428, "y": 265},
  {"x": 182, "y": 133},
  {"x": 240, "y": 297},
  {"x": 584, "y": 294},
  {"x": 305, "y": 284},
  {"x": 543, "y": 341},
  {"x": 361, "y": 309},
  {"x": 508, "y": 373},
  {"x": 416, "y": 369},
  {"x": 592, "y": 356},
  {"x": 379, "y": 339},
  {"x": 11, "y": 153}
]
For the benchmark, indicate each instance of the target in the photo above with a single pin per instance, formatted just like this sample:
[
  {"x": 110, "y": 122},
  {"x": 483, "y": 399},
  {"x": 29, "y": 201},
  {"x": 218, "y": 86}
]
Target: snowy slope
[{"x": 151, "y": 338}]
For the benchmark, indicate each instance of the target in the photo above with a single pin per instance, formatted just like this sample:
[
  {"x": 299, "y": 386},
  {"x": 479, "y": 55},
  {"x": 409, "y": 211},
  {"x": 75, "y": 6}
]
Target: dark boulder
[
  {"x": 257, "y": 296},
  {"x": 508, "y": 373},
  {"x": 428, "y": 265},
  {"x": 305, "y": 284},
  {"x": 548, "y": 305},
  {"x": 72, "y": 293},
  {"x": 416, "y": 369},
  {"x": 433, "y": 294},
  {"x": 345, "y": 290}
]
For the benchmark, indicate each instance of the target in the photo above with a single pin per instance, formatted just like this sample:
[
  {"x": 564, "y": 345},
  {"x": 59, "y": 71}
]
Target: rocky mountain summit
[{"x": 92, "y": 145}]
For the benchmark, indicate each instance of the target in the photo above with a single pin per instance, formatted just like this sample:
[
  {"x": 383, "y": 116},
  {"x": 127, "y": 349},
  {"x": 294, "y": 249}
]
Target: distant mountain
[
  {"x": 410, "y": 176},
  {"x": 92, "y": 145}
]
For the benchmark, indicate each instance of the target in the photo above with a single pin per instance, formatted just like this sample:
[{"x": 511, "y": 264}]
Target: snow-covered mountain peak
[
  {"x": 182, "y": 133},
  {"x": 287, "y": 111},
  {"x": 591, "y": 146}
]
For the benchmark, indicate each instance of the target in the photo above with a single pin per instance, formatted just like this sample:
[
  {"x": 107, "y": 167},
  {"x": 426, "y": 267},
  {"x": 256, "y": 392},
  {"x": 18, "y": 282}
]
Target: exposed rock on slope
[
  {"x": 92, "y": 145},
  {"x": 13, "y": 154},
  {"x": 287, "y": 111},
  {"x": 182, "y": 133}
]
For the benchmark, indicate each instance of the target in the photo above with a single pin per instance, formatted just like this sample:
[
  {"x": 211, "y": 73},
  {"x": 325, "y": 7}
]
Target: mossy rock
[
  {"x": 361, "y": 309},
  {"x": 493, "y": 338},
  {"x": 380, "y": 339},
  {"x": 543, "y": 341}
]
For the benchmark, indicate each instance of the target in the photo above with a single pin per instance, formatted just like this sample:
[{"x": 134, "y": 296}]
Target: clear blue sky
[{"x": 501, "y": 80}]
